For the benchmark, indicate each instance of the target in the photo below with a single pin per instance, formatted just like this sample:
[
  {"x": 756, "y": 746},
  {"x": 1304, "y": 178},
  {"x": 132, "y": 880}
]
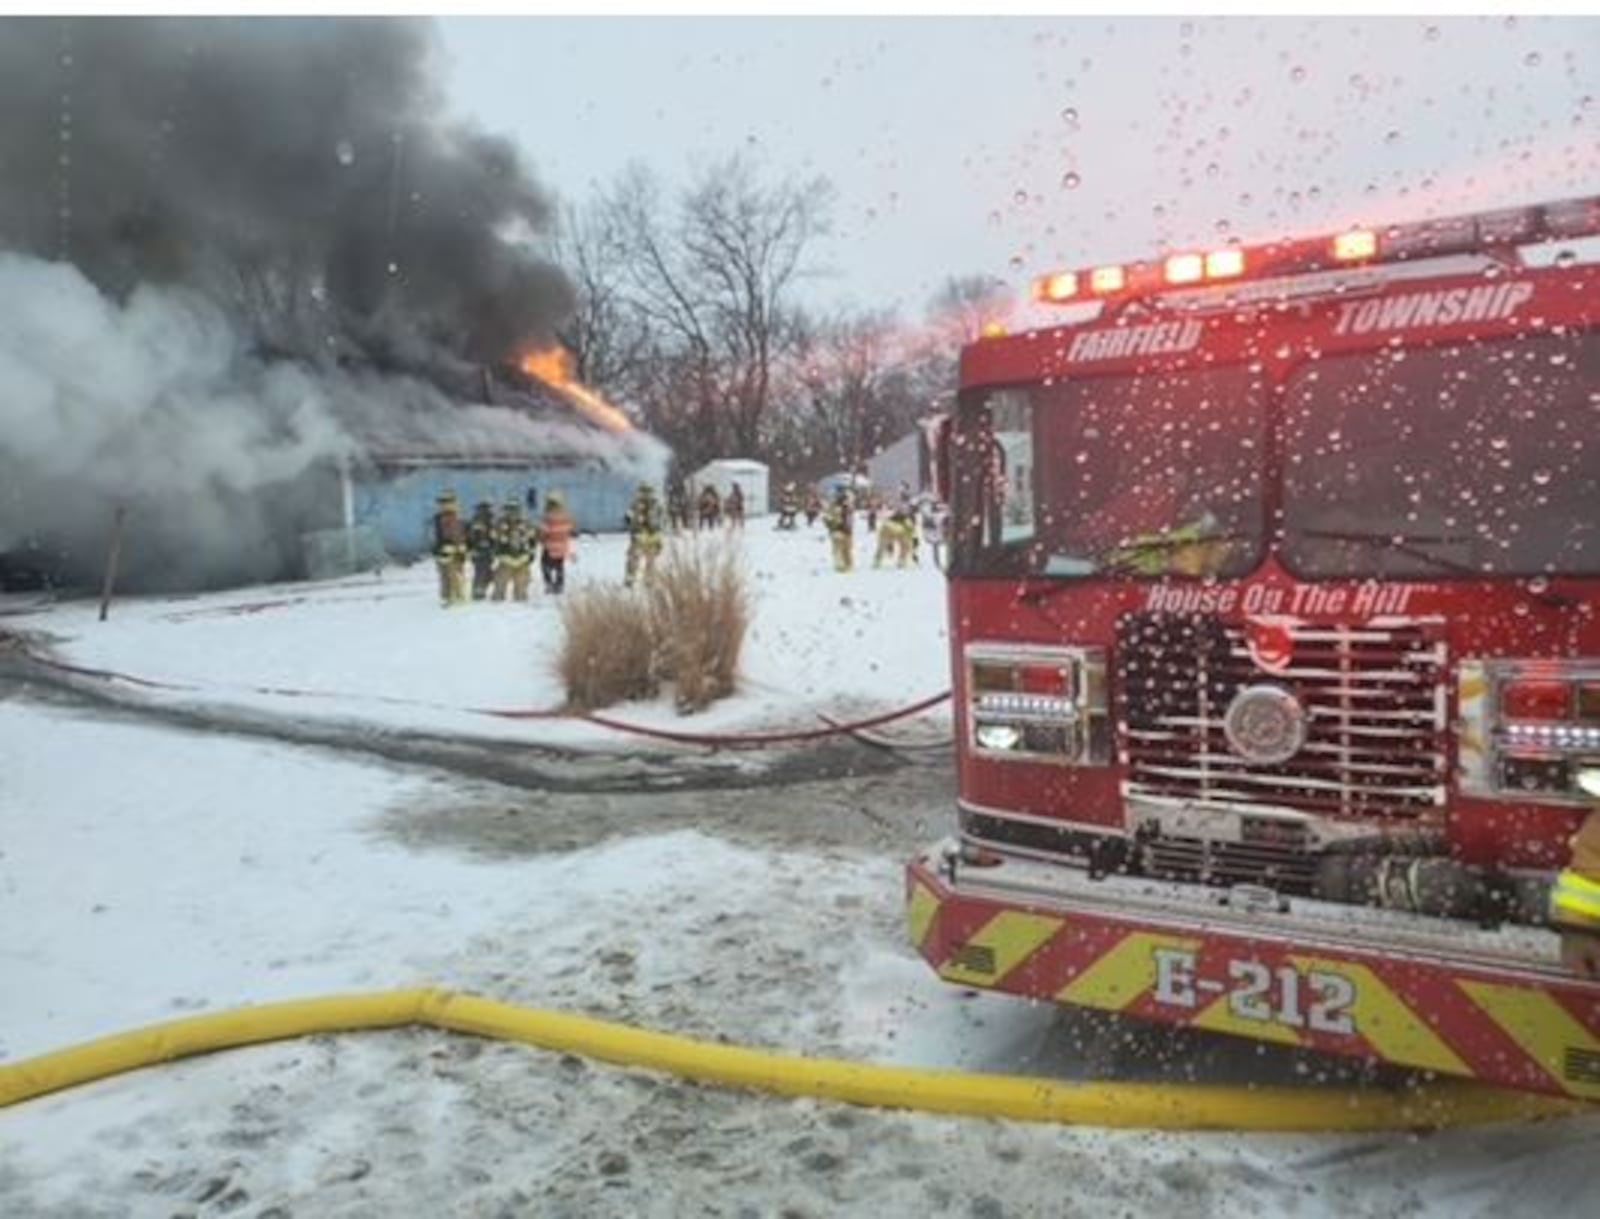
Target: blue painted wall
[{"x": 399, "y": 504}]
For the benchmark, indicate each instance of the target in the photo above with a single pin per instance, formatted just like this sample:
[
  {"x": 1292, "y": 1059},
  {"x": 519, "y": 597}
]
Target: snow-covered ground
[
  {"x": 148, "y": 872},
  {"x": 380, "y": 650}
]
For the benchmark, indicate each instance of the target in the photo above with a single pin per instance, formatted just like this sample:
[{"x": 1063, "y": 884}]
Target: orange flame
[{"x": 553, "y": 366}]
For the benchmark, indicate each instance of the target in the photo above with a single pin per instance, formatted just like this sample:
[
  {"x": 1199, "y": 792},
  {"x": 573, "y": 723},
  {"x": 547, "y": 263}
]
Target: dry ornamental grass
[
  {"x": 607, "y": 654},
  {"x": 687, "y": 627}
]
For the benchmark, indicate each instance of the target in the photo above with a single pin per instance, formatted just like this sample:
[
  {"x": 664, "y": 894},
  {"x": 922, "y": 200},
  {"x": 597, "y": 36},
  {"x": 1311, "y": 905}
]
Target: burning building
[
  {"x": 249, "y": 274},
  {"x": 527, "y": 441}
]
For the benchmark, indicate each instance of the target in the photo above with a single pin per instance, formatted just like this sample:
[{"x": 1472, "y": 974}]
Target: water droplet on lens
[{"x": 345, "y": 152}]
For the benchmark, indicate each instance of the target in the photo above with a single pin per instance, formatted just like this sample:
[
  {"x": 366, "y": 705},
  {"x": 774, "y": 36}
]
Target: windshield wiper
[{"x": 1407, "y": 544}]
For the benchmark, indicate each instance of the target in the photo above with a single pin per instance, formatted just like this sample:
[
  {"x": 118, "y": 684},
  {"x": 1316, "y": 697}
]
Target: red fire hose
[{"x": 713, "y": 740}]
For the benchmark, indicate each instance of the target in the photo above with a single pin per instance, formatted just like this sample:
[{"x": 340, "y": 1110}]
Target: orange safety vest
[{"x": 555, "y": 534}]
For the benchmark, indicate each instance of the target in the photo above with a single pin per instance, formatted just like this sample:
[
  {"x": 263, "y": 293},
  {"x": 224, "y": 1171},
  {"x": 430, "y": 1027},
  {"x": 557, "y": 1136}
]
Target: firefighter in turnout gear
[
  {"x": 644, "y": 534},
  {"x": 450, "y": 550},
  {"x": 1191, "y": 549},
  {"x": 677, "y": 508},
  {"x": 788, "y": 506},
  {"x": 555, "y": 542},
  {"x": 897, "y": 538},
  {"x": 480, "y": 546},
  {"x": 1575, "y": 899},
  {"x": 710, "y": 507},
  {"x": 513, "y": 552},
  {"x": 838, "y": 521}
]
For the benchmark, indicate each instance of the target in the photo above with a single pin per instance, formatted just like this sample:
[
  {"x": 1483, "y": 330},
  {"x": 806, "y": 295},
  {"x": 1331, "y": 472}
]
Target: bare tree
[
  {"x": 963, "y": 304},
  {"x": 604, "y": 334},
  {"x": 852, "y": 386},
  {"x": 708, "y": 279}
]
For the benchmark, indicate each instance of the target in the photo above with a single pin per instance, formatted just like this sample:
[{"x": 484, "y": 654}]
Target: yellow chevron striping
[
  {"x": 919, "y": 913},
  {"x": 1384, "y": 1021},
  {"x": 1546, "y": 1033},
  {"x": 1121, "y": 975},
  {"x": 1000, "y": 945}
]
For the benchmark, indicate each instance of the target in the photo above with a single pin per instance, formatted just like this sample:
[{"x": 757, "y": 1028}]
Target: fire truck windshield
[
  {"x": 1146, "y": 476},
  {"x": 1477, "y": 459},
  {"x": 1451, "y": 461}
]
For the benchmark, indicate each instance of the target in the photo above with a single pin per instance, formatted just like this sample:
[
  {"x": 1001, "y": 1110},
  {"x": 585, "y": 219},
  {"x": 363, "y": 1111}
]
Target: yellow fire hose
[{"x": 1146, "y": 1106}]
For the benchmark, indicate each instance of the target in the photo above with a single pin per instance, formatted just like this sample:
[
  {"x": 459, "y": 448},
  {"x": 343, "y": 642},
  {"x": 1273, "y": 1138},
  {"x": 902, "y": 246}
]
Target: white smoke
[
  {"x": 221, "y": 457},
  {"x": 154, "y": 406}
]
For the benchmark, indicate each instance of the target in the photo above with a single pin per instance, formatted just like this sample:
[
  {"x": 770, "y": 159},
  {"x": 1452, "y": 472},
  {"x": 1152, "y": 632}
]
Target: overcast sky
[{"x": 1014, "y": 146}]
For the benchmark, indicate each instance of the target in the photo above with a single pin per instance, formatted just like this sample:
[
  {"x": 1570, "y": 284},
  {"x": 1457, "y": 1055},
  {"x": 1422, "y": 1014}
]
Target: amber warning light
[{"x": 1481, "y": 232}]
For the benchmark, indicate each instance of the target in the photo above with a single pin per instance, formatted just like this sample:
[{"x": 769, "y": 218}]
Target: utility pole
[{"x": 113, "y": 556}]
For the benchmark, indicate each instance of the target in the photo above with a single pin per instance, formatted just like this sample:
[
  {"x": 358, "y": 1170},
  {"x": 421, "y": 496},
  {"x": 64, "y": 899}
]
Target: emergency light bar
[{"x": 1480, "y": 231}]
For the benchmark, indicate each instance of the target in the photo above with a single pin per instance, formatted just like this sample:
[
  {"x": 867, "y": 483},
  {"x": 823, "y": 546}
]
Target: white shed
[
  {"x": 900, "y": 463},
  {"x": 723, "y": 473}
]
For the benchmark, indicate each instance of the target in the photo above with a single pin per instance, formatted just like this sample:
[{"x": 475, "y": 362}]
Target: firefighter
[
  {"x": 1191, "y": 549},
  {"x": 838, "y": 521},
  {"x": 556, "y": 531},
  {"x": 874, "y": 507},
  {"x": 813, "y": 507},
  {"x": 735, "y": 507},
  {"x": 678, "y": 508},
  {"x": 710, "y": 507},
  {"x": 481, "y": 548},
  {"x": 513, "y": 552},
  {"x": 644, "y": 534},
  {"x": 788, "y": 506},
  {"x": 450, "y": 549},
  {"x": 1575, "y": 899},
  {"x": 896, "y": 539}
]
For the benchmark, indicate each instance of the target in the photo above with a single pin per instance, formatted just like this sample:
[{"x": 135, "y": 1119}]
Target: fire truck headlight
[
  {"x": 1531, "y": 727},
  {"x": 999, "y": 736},
  {"x": 1588, "y": 780}
]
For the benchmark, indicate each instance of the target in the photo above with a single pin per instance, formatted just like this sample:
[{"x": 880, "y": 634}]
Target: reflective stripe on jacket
[{"x": 1575, "y": 901}]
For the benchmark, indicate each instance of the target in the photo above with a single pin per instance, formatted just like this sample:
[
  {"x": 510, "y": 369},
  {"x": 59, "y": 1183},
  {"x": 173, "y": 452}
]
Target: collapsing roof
[{"x": 526, "y": 425}]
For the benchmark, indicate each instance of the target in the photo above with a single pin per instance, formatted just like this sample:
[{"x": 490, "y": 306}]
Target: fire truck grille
[
  {"x": 1374, "y": 699},
  {"x": 1227, "y": 863}
]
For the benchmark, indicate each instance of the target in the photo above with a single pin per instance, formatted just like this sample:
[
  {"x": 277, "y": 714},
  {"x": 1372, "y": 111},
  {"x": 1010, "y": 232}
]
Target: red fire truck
[{"x": 1275, "y": 622}]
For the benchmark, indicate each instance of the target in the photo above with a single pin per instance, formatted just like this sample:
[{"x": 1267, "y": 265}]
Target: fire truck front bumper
[{"x": 1414, "y": 991}]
